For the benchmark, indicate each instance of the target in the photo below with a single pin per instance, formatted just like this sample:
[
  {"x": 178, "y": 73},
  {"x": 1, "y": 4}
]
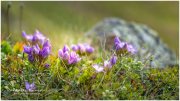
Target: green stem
[{"x": 101, "y": 80}]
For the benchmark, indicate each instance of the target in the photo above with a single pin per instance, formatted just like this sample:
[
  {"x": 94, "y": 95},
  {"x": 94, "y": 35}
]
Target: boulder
[{"x": 143, "y": 38}]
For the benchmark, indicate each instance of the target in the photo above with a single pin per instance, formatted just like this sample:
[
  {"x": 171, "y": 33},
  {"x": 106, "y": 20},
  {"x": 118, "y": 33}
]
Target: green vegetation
[
  {"x": 127, "y": 79},
  {"x": 66, "y": 23}
]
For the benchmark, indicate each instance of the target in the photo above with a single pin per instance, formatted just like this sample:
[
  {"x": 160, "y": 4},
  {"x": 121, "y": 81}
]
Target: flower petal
[{"x": 98, "y": 68}]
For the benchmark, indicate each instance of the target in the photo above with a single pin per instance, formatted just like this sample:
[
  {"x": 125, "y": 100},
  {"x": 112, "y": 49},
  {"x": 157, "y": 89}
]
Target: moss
[{"x": 127, "y": 79}]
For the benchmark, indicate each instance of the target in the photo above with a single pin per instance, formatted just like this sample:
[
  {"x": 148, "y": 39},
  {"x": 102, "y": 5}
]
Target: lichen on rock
[{"x": 145, "y": 39}]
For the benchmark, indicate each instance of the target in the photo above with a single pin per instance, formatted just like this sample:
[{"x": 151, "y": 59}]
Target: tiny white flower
[{"x": 98, "y": 68}]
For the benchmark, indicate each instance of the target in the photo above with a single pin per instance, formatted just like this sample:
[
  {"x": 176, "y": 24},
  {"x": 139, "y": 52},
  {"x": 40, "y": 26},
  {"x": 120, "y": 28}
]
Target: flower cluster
[
  {"x": 123, "y": 46},
  {"x": 67, "y": 56},
  {"x": 38, "y": 37},
  {"x": 30, "y": 87},
  {"x": 83, "y": 48},
  {"x": 38, "y": 47},
  {"x": 107, "y": 64}
]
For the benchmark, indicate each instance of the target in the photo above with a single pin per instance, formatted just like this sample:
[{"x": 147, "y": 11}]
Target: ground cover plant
[{"x": 29, "y": 70}]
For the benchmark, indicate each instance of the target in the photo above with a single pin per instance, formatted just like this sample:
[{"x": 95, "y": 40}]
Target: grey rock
[{"x": 145, "y": 40}]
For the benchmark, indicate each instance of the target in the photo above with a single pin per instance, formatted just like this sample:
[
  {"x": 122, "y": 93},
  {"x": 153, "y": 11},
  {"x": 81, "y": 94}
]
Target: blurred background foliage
[{"x": 65, "y": 22}]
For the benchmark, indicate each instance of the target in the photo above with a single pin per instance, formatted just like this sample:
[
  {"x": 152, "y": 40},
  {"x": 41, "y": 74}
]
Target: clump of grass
[{"x": 127, "y": 79}]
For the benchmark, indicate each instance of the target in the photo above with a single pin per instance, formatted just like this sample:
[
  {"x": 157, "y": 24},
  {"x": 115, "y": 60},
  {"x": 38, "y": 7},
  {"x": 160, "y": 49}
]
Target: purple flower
[
  {"x": 89, "y": 49},
  {"x": 30, "y": 58},
  {"x": 113, "y": 60},
  {"x": 45, "y": 52},
  {"x": 130, "y": 49},
  {"x": 35, "y": 49},
  {"x": 74, "y": 48},
  {"x": 60, "y": 53},
  {"x": 39, "y": 46},
  {"x": 63, "y": 55},
  {"x": 27, "y": 49},
  {"x": 65, "y": 48},
  {"x": 107, "y": 64},
  {"x": 73, "y": 58},
  {"x": 35, "y": 38},
  {"x": 30, "y": 87},
  {"x": 123, "y": 46},
  {"x": 119, "y": 46},
  {"x": 117, "y": 40},
  {"x": 70, "y": 58},
  {"x": 47, "y": 44},
  {"x": 98, "y": 68},
  {"x": 81, "y": 48},
  {"x": 27, "y": 37},
  {"x": 46, "y": 65},
  {"x": 38, "y": 37}
]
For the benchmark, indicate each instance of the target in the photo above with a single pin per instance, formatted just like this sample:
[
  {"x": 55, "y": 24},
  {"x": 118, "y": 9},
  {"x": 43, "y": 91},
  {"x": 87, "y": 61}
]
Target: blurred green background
[{"x": 64, "y": 22}]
